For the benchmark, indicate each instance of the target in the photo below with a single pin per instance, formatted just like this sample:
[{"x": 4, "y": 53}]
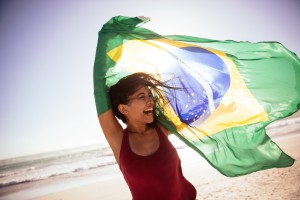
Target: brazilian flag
[{"x": 233, "y": 90}]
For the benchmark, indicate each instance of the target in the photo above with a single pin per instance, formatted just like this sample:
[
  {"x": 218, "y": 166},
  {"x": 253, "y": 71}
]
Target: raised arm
[{"x": 112, "y": 130}]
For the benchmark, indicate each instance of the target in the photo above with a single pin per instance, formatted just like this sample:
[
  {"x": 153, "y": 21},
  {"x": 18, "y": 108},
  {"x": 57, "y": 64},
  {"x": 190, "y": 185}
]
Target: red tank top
[{"x": 157, "y": 176}]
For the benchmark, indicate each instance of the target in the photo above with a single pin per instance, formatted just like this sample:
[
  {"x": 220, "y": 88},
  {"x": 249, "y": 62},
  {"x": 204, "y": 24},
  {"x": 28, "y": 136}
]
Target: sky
[{"x": 47, "y": 52}]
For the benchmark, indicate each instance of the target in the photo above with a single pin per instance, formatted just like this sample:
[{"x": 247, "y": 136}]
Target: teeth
[{"x": 148, "y": 111}]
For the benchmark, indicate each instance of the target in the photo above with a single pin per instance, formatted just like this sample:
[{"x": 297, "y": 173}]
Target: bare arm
[{"x": 112, "y": 130}]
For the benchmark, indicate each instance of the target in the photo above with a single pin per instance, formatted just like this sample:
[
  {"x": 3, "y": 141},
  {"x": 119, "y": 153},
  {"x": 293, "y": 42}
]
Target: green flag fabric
[{"x": 233, "y": 90}]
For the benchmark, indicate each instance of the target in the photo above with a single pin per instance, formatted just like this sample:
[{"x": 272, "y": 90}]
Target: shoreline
[
  {"x": 108, "y": 182},
  {"x": 276, "y": 183}
]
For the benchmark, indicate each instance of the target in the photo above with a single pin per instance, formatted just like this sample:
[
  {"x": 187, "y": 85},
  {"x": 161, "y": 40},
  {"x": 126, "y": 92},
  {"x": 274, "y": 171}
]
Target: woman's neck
[{"x": 138, "y": 129}]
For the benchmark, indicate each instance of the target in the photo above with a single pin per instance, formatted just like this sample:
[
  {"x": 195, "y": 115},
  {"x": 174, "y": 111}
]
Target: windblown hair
[{"x": 126, "y": 86}]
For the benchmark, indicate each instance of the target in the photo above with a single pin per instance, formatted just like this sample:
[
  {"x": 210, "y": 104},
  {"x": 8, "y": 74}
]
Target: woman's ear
[{"x": 122, "y": 108}]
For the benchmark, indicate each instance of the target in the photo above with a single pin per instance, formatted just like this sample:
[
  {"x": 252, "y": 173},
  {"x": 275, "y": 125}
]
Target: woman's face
[{"x": 140, "y": 107}]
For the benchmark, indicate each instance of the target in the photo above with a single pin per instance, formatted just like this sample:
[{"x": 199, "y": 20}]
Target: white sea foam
[{"x": 32, "y": 168}]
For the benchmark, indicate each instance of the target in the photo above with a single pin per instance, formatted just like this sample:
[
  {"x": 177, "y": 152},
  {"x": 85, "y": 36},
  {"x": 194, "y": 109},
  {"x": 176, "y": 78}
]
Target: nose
[{"x": 149, "y": 99}]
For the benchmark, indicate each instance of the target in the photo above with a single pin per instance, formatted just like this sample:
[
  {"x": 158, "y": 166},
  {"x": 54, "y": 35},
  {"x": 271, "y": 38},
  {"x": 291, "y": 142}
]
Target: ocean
[
  {"x": 61, "y": 169},
  {"x": 85, "y": 164},
  {"x": 65, "y": 162}
]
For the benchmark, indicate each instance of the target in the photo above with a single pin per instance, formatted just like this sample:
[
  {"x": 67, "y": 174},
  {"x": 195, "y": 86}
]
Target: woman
[{"x": 148, "y": 161}]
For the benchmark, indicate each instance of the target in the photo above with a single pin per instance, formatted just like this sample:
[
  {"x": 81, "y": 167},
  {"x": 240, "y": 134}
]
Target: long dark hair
[{"x": 126, "y": 86}]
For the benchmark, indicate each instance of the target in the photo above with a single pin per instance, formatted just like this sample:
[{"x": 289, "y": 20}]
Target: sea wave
[{"x": 39, "y": 169}]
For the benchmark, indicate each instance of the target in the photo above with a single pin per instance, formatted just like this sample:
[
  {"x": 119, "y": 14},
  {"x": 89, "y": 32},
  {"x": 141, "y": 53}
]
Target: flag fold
[{"x": 232, "y": 90}]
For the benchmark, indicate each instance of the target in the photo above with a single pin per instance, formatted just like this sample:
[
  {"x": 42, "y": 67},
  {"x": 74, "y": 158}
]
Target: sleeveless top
[{"x": 157, "y": 176}]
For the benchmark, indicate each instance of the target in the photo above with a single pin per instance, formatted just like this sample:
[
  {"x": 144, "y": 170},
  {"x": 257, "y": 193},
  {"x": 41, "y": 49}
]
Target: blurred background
[{"x": 47, "y": 51}]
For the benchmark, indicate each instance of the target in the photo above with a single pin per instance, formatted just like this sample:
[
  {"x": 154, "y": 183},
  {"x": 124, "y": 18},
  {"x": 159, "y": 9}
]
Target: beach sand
[{"x": 275, "y": 184}]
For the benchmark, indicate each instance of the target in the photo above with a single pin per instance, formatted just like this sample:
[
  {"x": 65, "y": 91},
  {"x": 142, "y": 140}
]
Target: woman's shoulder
[{"x": 163, "y": 129}]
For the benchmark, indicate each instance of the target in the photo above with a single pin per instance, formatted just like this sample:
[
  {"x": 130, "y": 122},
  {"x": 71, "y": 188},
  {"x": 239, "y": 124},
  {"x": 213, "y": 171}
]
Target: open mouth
[{"x": 148, "y": 111}]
